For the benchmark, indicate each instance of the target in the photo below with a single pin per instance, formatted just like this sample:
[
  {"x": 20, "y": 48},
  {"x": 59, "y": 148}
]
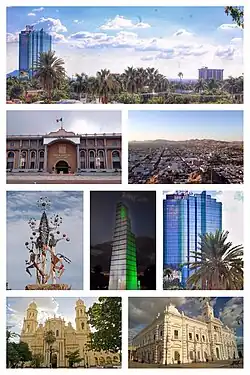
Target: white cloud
[
  {"x": 120, "y": 22},
  {"x": 232, "y": 314},
  {"x": 51, "y": 24},
  {"x": 227, "y": 53},
  {"x": 236, "y": 41},
  {"x": 12, "y": 37},
  {"x": 182, "y": 32},
  {"x": 38, "y": 9},
  {"x": 228, "y": 26},
  {"x": 78, "y": 22},
  {"x": 31, "y": 14}
]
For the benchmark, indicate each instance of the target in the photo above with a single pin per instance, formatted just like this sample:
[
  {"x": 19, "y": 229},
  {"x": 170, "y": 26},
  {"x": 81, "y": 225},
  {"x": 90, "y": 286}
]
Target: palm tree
[
  {"x": 168, "y": 273},
  {"x": 131, "y": 79},
  {"x": 49, "y": 71},
  {"x": 200, "y": 86},
  {"x": 49, "y": 338},
  {"x": 180, "y": 75},
  {"x": 218, "y": 264},
  {"x": 107, "y": 84},
  {"x": 81, "y": 83}
]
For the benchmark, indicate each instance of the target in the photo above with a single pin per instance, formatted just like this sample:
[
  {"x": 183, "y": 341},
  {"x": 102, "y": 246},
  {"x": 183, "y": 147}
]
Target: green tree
[
  {"x": 237, "y": 14},
  {"x": 50, "y": 339},
  {"x": 37, "y": 360},
  {"x": 50, "y": 71},
  {"x": 73, "y": 357},
  {"x": 105, "y": 317},
  {"x": 218, "y": 264}
]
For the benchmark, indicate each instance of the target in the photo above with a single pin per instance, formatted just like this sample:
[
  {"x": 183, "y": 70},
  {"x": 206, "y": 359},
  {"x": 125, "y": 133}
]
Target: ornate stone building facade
[
  {"x": 68, "y": 339},
  {"x": 174, "y": 337},
  {"x": 63, "y": 152}
]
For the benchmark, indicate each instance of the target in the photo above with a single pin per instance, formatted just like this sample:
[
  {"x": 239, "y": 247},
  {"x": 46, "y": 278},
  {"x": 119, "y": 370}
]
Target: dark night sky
[{"x": 141, "y": 207}]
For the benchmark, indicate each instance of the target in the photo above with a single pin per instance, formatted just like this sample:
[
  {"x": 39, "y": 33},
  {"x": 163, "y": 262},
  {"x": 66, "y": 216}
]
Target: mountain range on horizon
[{"x": 184, "y": 141}]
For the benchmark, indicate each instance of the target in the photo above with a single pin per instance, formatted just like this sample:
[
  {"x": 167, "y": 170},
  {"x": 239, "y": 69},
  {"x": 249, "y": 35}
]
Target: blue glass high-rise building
[
  {"x": 31, "y": 44},
  {"x": 185, "y": 217}
]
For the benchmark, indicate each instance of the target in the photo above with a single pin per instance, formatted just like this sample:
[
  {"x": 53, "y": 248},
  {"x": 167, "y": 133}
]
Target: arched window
[
  {"x": 41, "y": 154},
  {"x": 91, "y": 154},
  {"x": 33, "y": 154},
  {"x": 108, "y": 360},
  {"x": 10, "y": 160},
  {"x": 96, "y": 361},
  {"x": 115, "y": 359},
  {"x": 115, "y": 154},
  {"x": 101, "y": 153},
  {"x": 102, "y": 361},
  {"x": 82, "y": 325}
]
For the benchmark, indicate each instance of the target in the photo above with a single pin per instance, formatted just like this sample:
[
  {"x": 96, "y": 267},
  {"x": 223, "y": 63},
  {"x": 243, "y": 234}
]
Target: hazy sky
[
  {"x": 21, "y": 206},
  {"x": 142, "y": 311},
  {"x": 81, "y": 122},
  {"x": 232, "y": 213},
  {"x": 171, "y": 39},
  {"x": 47, "y": 308},
  {"x": 182, "y": 125}
]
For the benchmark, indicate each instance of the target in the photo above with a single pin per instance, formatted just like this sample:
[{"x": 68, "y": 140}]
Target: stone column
[
  {"x": 45, "y": 160},
  {"x": 106, "y": 157},
  {"x": 78, "y": 157}
]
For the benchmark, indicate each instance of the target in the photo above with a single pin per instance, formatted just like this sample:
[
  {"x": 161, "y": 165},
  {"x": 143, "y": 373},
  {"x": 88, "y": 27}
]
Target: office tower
[
  {"x": 123, "y": 266},
  {"x": 186, "y": 216},
  {"x": 207, "y": 74},
  {"x": 31, "y": 44}
]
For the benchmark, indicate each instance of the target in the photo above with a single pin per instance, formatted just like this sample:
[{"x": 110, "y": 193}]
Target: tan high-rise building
[{"x": 68, "y": 339}]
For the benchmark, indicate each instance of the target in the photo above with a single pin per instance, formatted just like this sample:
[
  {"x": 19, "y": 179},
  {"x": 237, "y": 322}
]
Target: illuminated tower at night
[{"x": 123, "y": 266}]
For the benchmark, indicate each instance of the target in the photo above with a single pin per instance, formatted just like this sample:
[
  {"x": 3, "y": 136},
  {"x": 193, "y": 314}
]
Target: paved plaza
[
  {"x": 215, "y": 364},
  {"x": 62, "y": 179}
]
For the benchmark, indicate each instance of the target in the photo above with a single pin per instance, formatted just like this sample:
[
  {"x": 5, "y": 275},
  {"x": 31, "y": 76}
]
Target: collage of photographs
[{"x": 125, "y": 220}]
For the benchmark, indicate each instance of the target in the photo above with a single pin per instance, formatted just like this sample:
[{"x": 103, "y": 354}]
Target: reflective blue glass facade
[
  {"x": 185, "y": 216},
  {"x": 31, "y": 44}
]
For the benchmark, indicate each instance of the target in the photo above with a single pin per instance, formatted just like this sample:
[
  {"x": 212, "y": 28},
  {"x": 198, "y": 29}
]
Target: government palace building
[
  {"x": 174, "y": 338},
  {"x": 68, "y": 339},
  {"x": 64, "y": 152}
]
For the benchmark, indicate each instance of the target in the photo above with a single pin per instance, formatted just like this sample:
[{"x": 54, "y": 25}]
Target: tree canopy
[
  {"x": 237, "y": 14},
  {"x": 105, "y": 317}
]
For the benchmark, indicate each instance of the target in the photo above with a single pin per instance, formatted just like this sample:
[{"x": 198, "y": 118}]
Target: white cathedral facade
[{"x": 175, "y": 338}]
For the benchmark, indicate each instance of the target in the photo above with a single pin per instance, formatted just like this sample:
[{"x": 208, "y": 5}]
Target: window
[
  {"x": 199, "y": 355},
  {"x": 57, "y": 333},
  {"x": 82, "y": 325},
  {"x": 203, "y": 338},
  {"x": 161, "y": 333},
  {"x": 190, "y": 336},
  {"x": 92, "y": 165},
  {"x": 41, "y": 165},
  {"x": 12, "y": 144},
  {"x": 191, "y": 355},
  {"x": 33, "y": 154},
  {"x": 176, "y": 356},
  {"x": 197, "y": 337},
  {"x": 176, "y": 334},
  {"x": 41, "y": 154},
  {"x": 32, "y": 165}
]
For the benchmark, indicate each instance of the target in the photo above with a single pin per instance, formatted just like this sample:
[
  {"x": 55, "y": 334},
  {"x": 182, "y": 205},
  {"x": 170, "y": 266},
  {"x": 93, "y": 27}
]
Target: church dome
[
  {"x": 32, "y": 305},
  {"x": 79, "y": 302}
]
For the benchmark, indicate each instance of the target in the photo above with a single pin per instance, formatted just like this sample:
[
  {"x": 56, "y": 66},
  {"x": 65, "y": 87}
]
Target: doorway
[
  {"x": 54, "y": 361},
  {"x": 62, "y": 166}
]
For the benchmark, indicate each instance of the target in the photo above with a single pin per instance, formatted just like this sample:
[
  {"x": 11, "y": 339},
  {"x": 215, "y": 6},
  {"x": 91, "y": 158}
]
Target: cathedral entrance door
[
  {"x": 54, "y": 361},
  {"x": 62, "y": 166}
]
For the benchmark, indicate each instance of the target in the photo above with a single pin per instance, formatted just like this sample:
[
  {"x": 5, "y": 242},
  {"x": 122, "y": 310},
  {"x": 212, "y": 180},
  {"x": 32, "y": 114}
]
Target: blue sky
[
  {"x": 47, "y": 307},
  {"x": 142, "y": 311},
  {"x": 182, "y": 125},
  {"x": 171, "y": 39},
  {"x": 21, "y": 206},
  {"x": 232, "y": 212}
]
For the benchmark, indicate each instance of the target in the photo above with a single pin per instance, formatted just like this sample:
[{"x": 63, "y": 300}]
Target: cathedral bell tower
[
  {"x": 30, "y": 322},
  {"x": 81, "y": 319},
  {"x": 208, "y": 312}
]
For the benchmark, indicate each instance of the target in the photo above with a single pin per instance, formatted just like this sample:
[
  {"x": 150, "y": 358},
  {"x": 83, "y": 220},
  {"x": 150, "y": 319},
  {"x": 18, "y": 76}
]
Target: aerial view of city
[
  {"x": 62, "y": 147},
  {"x": 123, "y": 240},
  {"x": 186, "y": 332},
  {"x": 127, "y": 55},
  {"x": 203, "y": 240},
  {"x": 187, "y": 147}
]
